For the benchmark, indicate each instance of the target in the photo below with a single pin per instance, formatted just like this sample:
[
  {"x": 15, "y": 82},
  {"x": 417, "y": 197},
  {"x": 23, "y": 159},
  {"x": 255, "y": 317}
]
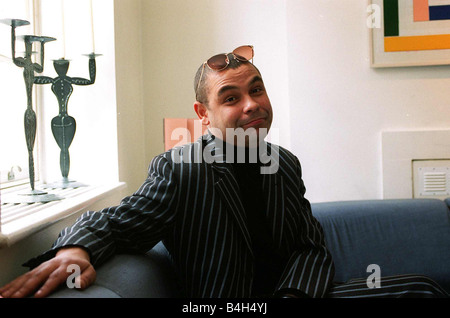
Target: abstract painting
[{"x": 411, "y": 33}]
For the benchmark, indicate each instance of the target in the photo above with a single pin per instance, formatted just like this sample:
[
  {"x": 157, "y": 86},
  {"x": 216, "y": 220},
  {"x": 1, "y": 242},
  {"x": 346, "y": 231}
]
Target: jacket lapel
[
  {"x": 226, "y": 185},
  {"x": 228, "y": 189}
]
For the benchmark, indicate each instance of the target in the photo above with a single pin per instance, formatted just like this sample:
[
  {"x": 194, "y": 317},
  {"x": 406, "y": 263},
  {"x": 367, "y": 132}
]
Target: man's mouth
[{"x": 253, "y": 122}]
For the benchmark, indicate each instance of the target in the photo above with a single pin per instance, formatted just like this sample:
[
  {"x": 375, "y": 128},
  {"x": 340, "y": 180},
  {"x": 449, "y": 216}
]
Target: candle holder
[
  {"x": 29, "y": 68},
  {"x": 64, "y": 126}
]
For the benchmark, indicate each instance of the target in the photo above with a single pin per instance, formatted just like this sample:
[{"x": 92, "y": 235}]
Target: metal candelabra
[
  {"x": 64, "y": 126},
  {"x": 29, "y": 68}
]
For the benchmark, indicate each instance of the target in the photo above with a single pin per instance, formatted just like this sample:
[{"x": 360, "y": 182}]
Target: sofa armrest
[
  {"x": 447, "y": 201},
  {"x": 131, "y": 276}
]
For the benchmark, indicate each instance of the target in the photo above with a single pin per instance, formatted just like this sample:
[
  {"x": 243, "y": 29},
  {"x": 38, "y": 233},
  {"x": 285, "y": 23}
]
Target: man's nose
[{"x": 250, "y": 105}]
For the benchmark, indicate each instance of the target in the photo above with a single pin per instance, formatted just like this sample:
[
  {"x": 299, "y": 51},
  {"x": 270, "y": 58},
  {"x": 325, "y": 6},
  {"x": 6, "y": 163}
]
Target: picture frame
[{"x": 409, "y": 32}]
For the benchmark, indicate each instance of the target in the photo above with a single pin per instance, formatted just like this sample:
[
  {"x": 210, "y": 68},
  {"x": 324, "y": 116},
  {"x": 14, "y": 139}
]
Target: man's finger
[
  {"x": 65, "y": 274},
  {"x": 11, "y": 288},
  {"x": 57, "y": 278},
  {"x": 28, "y": 282},
  {"x": 87, "y": 277}
]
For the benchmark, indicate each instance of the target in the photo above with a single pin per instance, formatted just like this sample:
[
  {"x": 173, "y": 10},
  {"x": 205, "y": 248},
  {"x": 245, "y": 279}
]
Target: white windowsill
[{"x": 38, "y": 216}]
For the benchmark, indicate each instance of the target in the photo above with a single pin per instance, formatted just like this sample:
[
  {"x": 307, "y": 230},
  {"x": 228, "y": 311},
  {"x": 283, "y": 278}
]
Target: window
[
  {"x": 88, "y": 24},
  {"x": 94, "y": 150},
  {"x": 13, "y": 101}
]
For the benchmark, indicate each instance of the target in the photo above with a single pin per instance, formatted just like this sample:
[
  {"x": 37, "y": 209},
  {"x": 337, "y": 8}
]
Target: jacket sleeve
[
  {"x": 310, "y": 268},
  {"x": 136, "y": 225}
]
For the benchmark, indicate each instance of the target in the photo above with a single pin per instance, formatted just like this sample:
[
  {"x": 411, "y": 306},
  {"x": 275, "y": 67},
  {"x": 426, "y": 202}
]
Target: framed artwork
[{"x": 410, "y": 33}]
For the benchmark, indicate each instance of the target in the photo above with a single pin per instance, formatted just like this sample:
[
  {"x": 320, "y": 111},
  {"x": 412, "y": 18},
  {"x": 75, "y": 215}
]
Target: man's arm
[
  {"x": 310, "y": 269},
  {"x": 136, "y": 225}
]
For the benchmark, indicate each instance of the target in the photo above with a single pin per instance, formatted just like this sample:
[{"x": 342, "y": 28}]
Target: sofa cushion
[
  {"x": 93, "y": 291},
  {"x": 401, "y": 236},
  {"x": 131, "y": 276}
]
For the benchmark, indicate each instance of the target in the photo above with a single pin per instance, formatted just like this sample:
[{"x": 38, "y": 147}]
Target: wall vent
[{"x": 431, "y": 178}]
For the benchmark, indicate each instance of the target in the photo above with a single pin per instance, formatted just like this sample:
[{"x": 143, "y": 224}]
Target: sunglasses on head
[{"x": 220, "y": 62}]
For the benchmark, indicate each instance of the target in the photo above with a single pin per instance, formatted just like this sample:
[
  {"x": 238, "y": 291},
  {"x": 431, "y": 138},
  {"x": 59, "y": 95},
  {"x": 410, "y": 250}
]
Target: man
[{"x": 232, "y": 230}]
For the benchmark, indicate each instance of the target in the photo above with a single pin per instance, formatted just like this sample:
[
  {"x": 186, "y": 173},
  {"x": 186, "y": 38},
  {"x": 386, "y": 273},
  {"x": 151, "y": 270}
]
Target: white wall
[
  {"x": 339, "y": 105},
  {"x": 330, "y": 106},
  {"x": 178, "y": 35}
]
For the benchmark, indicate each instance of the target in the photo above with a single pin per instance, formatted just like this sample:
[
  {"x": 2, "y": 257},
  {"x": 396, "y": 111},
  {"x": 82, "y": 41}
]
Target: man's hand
[{"x": 48, "y": 276}]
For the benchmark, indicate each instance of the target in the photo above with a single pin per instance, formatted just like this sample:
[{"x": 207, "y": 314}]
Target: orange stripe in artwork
[
  {"x": 417, "y": 43},
  {"x": 421, "y": 10}
]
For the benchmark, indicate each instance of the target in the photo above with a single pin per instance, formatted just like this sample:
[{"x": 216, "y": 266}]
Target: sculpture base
[
  {"x": 32, "y": 196},
  {"x": 64, "y": 184}
]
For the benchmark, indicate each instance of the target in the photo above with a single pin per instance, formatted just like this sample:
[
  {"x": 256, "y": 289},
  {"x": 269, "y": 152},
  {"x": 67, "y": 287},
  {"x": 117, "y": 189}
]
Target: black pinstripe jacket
[{"x": 196, "y": 210}]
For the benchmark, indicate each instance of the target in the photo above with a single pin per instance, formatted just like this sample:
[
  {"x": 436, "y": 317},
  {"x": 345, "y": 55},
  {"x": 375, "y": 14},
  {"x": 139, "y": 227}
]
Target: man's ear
[{"x": 202, "y": 112}]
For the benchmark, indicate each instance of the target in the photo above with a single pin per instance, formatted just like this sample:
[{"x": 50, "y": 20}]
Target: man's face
[{"x": 237, "y": 99}]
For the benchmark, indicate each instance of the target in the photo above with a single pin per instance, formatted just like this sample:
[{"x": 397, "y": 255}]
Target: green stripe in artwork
[{"x": 390, "y": 13}]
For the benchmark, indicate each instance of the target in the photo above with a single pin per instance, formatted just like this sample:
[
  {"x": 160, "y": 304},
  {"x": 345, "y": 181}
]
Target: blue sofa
[{"x": 407, "y": 236}]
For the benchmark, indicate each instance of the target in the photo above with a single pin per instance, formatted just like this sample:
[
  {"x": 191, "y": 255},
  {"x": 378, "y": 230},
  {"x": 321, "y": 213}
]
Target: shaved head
[{"x": 201, "y": 94}]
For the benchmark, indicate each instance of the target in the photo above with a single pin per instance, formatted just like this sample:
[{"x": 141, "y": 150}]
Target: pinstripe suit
[{"x": 194, "y": 207}]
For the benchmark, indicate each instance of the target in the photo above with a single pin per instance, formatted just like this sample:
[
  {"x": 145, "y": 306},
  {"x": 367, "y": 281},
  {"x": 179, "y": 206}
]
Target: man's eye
[
  {"x": 256, "y": 90},
  {"x": 230, "y": 99}
]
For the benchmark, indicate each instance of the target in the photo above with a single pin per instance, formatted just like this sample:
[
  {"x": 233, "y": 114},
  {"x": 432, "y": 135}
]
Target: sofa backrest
[{"x": 408, "y": 236}]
